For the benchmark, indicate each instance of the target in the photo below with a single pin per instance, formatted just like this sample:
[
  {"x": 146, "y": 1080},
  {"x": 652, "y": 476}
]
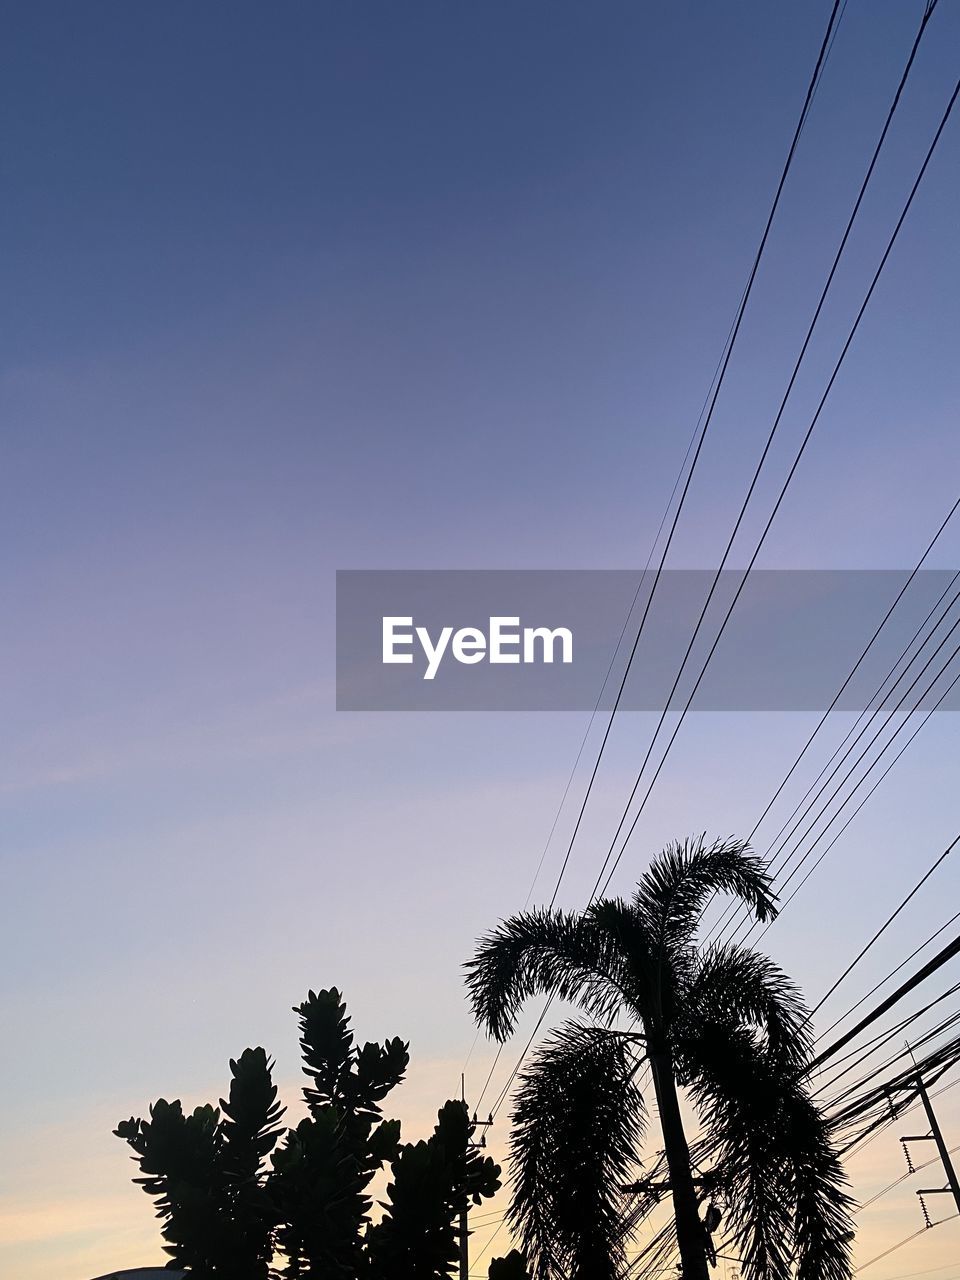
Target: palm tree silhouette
[{"x": 720, "y": 1023}]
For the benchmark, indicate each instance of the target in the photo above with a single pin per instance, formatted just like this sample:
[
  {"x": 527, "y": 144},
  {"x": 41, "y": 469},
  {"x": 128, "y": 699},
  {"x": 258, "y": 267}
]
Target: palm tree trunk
[{"x": 691, "y": 1236}]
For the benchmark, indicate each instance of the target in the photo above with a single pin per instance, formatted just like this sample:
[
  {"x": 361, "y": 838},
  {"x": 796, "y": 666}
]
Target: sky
[{"x": 303, "y": 288}]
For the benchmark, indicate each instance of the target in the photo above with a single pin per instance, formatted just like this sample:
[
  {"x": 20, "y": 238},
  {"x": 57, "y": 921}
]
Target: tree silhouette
[
  {"x": 228, "y": 1214},
  {"x": 721, "y": 1023},
  {"x": 324, "y": 1166},
  {"x": 203, "y": 1169},
  {"x": 433, "y": 1181}
]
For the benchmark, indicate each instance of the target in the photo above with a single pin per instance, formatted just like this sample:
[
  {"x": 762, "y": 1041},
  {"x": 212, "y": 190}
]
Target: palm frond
[
  {"x": 822, "y": 1218},
  {"x": 673, "y": 891},
  {"x": 786, "y": 1187},
  {"x": 736, "y": 985},
  {"x": 630, "y": 938},
  {"x": 740, "y": 1106},
  {"x": 577, "y": 1123},
  {"x": 544, "y": 951}
]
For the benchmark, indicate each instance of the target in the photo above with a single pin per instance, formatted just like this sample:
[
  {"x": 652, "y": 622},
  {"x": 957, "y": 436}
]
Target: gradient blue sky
[{"x": 293, "y": 288}]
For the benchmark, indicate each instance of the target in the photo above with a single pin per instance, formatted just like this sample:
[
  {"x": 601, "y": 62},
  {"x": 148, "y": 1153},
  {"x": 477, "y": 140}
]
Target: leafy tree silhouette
[
  {"x": 203, "y": 1169},
  {"x": 229, "y": 1215},
  {"x": 324, "y": 1166},
  {"x": 722, "y": 1023},
  {"x": 433, "y": 1182}
]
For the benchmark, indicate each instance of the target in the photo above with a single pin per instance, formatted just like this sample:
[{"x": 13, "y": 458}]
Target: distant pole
[
  {"x": 464, "y": 1212},
  {"x": 464, "y": 1228},
  {"x": 937, "y": 1135}
]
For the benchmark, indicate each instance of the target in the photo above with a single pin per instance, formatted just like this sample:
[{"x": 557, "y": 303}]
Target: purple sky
[{"x": 406, "y": 286}]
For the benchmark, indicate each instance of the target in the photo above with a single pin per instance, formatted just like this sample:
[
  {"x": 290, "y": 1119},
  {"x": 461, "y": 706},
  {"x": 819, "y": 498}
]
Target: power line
[
  {"x": 846, "y": 347},
  {"x": 603, "y": 686},
  {"x": 623, "y": 632},
  {"x": 661, "y": 1246},
  {"x": 873, "y": 788},
  {"x": 487, "y": 1246},
  {"x": 890, "y": 919},
  {"x": 903, "y": 1178},
  {"x": 743, "y": 917},
  {"x": 940, "y": 698},
  {"x": 867, "y": 1051},
  {"x": 846, "y": 740},
  {"x": 731, "y": 907},
  {"x": 937, "y": 962},
  {"x": 872, "y": 717},
  {"x": 893, "y": 1248},
  {"x": 502, "y": 1095},
  {"x": 911, "y": 1275},
  {"x": 756, "y": 475},
  {"x": 902, "y": 965},
  {"x": 875, "y": 1130},
  {"x": 505, "y": 1090},
  {"x": 806, "y": 438},
  {"x": 741, "y": 309},
  {"x": 885, "y": 1037}
]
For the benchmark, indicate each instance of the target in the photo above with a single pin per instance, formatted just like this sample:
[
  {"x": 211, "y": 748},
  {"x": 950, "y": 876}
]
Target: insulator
[{"x": 923, "y": 1206}]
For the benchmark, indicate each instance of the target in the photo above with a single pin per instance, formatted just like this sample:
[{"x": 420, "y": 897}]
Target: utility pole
[
  {"x": 464, "y": 1212},
  {"x": 935, "y": 1135}
]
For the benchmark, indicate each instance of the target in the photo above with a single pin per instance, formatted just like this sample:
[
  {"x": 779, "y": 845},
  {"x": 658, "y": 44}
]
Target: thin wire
[
  {"x": 763, "y": 458},
  {"x": 616, "y": 650},
  {"x": 873, "y": 1046},
  {"x": 493, "y": 1066},
  {"x": 910, "y": 1275},
  {"x": 890, "y": 919},
  {"x": 741, "y": 309},
  {"x": 486, "y": 1219},
  {"x": 866, "y": 1138},
  {"x": 486, "y": 1247},
  {"x": 864, "y": 800},
  {"x": 884, "y": 1037},
  {"x": 836, "y": 837},
  {"x": 902, "y": 965},
  {"x": 850, "y": 734},
  {"x": 502, "y": 1095},
  {"x": 893, "y": 1248},
  {"x": 903, "y": 1178},
  {"x": 663, "y": 519},
  {"x": 731, "y": 907},
  {"x": 846, "y": 347},
  {"x": 782, "y": 862}
]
